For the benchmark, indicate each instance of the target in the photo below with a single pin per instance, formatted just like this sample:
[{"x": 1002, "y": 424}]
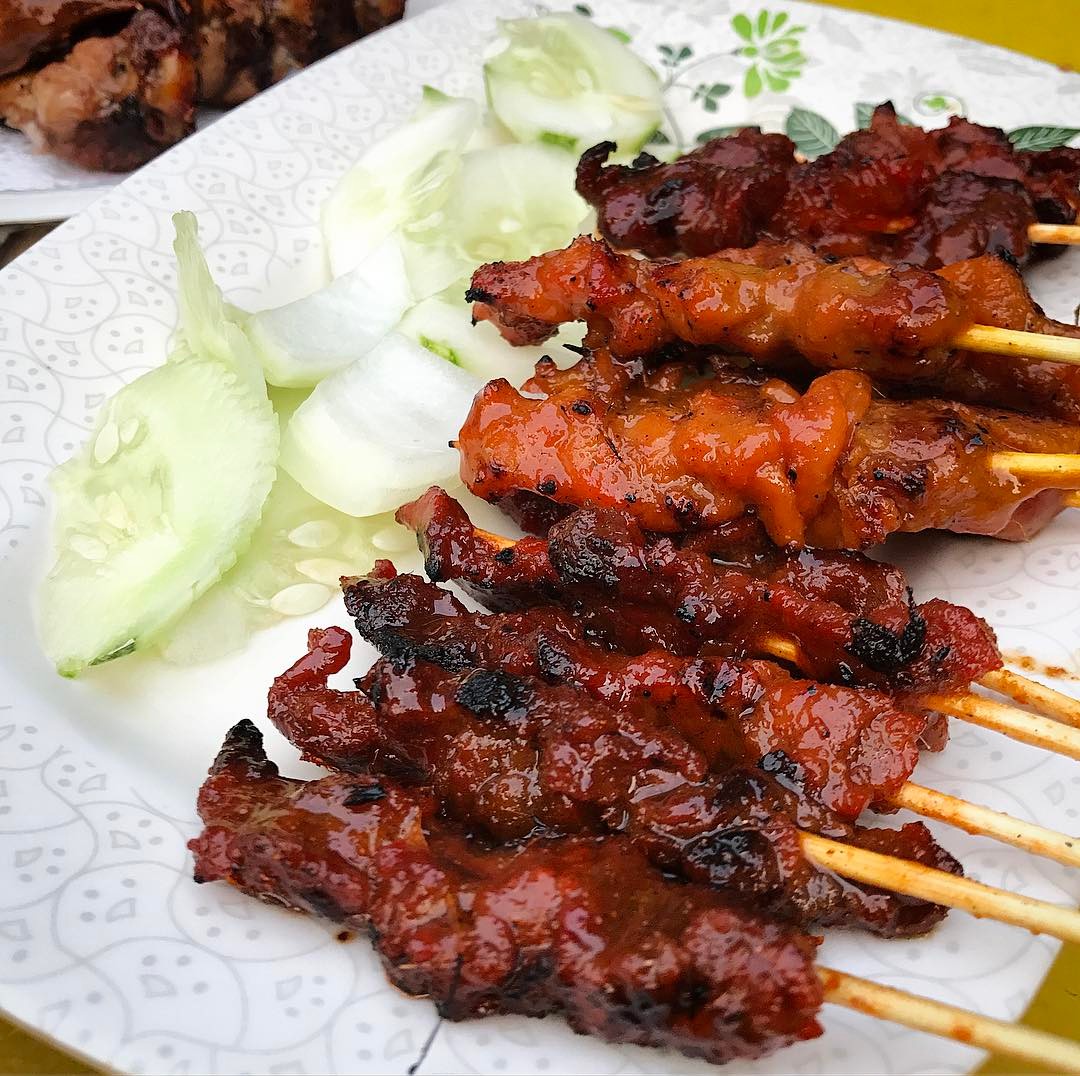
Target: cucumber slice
[
  {"x": 304, "y": 341},
  {"x": 562, "y": 79},
  {"x": 506, "y": 203},
  {"x": 209, "y": 327},
  {"x": 443, "y": 324},
  {"x": 155, "y": 509},
  {"x": 402, "y": 177},
  {"x": 291, "y": 568},
  {"x": 376, "y": 433}
]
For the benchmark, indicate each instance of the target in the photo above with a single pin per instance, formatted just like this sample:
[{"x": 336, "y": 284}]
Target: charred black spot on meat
[
  {"x": 493, "y": 693},
  {"x": 362, "y": 795}
]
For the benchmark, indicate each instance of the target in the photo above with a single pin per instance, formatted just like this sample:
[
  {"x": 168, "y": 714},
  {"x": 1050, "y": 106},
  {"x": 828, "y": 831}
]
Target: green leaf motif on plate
[
  {"x": 1038, "y": 138},
  {"x": 774, "y": 46},
  {"x": 673, "y": 55},
  {"x": 709, "y": 96},
  {"x": 811, "y": 133}
]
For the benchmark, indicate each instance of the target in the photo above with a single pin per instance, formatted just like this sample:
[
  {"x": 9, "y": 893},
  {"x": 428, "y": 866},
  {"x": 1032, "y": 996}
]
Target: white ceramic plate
[{"x": 105, "y": 942}]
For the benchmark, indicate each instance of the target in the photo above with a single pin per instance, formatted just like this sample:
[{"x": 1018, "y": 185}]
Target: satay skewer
[
  {"x": 984, "y": 822},
  {"x": 1031, "y": 693},
  {"x": 1063, "y": 234},
  {"x": 950, "y": 1022},
  {"x": 1016, "y": 343},
  {"x": 939, "y": 887}
]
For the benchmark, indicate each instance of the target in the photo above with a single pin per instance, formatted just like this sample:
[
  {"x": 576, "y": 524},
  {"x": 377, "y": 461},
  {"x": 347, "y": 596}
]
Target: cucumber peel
[{"x": 167, "y": 492}]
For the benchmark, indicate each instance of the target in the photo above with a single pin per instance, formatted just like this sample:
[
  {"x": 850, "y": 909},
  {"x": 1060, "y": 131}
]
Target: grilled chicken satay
[
  {"x": 577, "y": 926},
  {"x": 832, "y": 467},
  {"x": 634, "y": 593},
  {"x": 114, "y": 100},
  {"x": 847, "y": 750},
  {"x": 107, "y": 84},
  {"x": 892, "y": 191},
  {"x": 785, "y": 306},
  {"x": 511, "y": 757}
]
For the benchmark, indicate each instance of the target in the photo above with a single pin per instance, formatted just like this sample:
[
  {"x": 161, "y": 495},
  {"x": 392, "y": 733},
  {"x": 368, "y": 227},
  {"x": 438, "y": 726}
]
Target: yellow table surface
[{"x": 1047, "y": 29}]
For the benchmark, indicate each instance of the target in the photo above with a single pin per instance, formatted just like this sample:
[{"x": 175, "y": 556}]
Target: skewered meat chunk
[
  {"x": 851, "y": 749},
  {"x": 790, "y": 308},
  {"x": 581, "y": 927},
  {"x": 612, "y": 577},
  {"x": 893, "y": 191},
  {"x": 831, "y": 467},
  {"x": 511, "y": 757},
  {"x": 112, "y": 102},
  {"x": 718, "y": 196},
  {"x": 781, "y": 304}
]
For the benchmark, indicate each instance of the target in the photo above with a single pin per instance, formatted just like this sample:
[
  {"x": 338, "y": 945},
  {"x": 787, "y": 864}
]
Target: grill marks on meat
[
  {"x": 513, "y": 758},
  {"x": 600, "y": 566},
  {"x": 112, "y": 102},
  {"x": 831, "y": 466},
  {"x": 579, "y": 927},
  {"x": 107, "y": 84},
  {"x": 845, "y": 749},
  {"x": 893, "y": 191},
  {"x": 718, "y": 196}
]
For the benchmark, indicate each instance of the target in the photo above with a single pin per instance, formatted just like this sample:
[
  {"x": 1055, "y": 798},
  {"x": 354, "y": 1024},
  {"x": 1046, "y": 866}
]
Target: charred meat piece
[
  {"x": 512, "y": 758},
  {"x": 850, "y": 749},
  {"x": 598, "y": 555},
  {"x": 718, "y": 196},
  {"x": 830, "y": 466},
  {"x": 892, "y": 191},
  {"x": 580, "y": 927},
  {"x": 112, "y": 102}
]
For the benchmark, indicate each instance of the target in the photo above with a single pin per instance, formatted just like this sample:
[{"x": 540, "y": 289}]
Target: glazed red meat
[
  {"x": 580, "y": 927},
  {"x": 598, "y": 556},
  {"x": 511, "y": 757},
  {"x": 851, "y": 749},
  {"x": 893, "y": 191},
  {"x": 831, "y": 466},
  {"x": 718, "y": 196}
]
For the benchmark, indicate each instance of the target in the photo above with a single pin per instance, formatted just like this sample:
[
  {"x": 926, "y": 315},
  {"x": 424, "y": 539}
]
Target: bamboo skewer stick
[
  {"x": 927, "y": 883},
  {"x": 1031, "y": 693},
  {"x": 1018, "y": 724},
  {"x": 985, "y": 822},
  {"x": 950, "y": 1022},
  {"x": 1067, "y": 234},
  {"x": 1046, "y": 700},
  {"x": 1071, "y": 499},
  {"x": 1054, "y": 470},
  {"x": 996, "y": 341}
]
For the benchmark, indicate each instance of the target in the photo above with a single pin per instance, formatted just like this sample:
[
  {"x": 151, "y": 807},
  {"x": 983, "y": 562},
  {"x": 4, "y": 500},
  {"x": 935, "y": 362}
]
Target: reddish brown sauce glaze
[
  {"x": 511, "y": 757},
  {"x": 580, "y": 927},
  {"x": 892, "y": 191},
  {"x": 718, "y": 196},
  {"x": 821, "y": 602},
  {"x": 851, "y": 748},
  {"x": 830, "y": 467},
  {"x": 893, "y": 321},
  {"x": 791, "y": 309}
]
